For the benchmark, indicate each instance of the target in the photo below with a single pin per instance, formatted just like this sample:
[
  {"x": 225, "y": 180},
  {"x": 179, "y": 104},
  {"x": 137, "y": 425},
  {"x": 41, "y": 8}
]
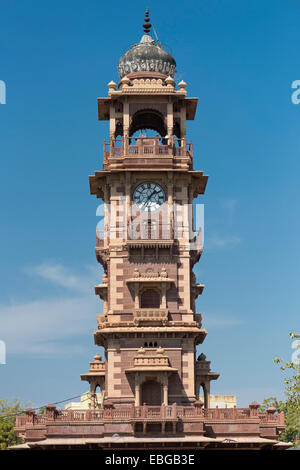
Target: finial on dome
[{"x": 147, "y": 25}]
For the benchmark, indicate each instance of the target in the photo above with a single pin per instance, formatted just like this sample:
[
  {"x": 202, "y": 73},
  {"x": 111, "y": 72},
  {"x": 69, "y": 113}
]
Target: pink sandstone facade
[{"x": 151, "y": 377}]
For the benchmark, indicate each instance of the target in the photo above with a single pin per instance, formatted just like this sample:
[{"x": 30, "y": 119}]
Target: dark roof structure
[{"x": 147, "y": 56}]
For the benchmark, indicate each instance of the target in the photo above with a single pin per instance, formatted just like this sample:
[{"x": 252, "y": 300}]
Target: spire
[{"x": 147, "y": 25}]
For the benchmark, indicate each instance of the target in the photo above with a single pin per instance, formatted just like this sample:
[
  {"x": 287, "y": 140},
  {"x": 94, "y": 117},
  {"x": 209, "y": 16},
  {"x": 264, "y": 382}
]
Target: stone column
[
  {"x": 136, "y": 295},
  {"x": 106, "y": 216},
  {"x": 125, "y": 126},
  {"x": 127, "y": 215},
  {"x": 170, "y": 205},
  {"x": 163, "y": 295},
  {"x": 93, "y": 395},
  {"x": 206, "y": 393},
  {"x": 197, "y": 386},
  {"x": 183, "y": 122},
  {"x": 105, "y": 304},
  {"x": 165, "y": 390},
  {"x": 170, "y": 119},
  {"x": 112, "y": 123},
  {"x": 30, "y": 414},
  {"x": 137, "y": 391}
]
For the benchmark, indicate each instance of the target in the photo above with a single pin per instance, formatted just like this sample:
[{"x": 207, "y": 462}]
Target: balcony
[
  {"x": 161, "y": 151},
  {"x": 142, "y": 315},
  {"x": 133, "y": 413}
]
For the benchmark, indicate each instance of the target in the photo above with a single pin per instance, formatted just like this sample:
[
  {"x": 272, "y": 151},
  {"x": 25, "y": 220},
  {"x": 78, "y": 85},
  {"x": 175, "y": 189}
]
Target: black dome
[{"x": 147, "y": 56}]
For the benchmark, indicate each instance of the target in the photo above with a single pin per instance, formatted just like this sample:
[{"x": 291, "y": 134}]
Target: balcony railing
[
  {"x": 97, "y": 366},
  {"x": 162, "y": 412},
  {"x": 150, "y": 314},
  {"x": 151, "y": 361},
  {"x": 147, "y": 146},
  {"x": 136, "y": 231}
]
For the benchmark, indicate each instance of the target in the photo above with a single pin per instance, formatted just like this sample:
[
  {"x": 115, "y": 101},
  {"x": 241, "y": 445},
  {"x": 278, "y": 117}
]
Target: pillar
[
  {"x": 164, "y": 295},
  {"x": 106, "y": 234},
  {"x": 170, "y": 119},
  {"x": 125, "y": 126},
  {"x": 183, "y": 122},
  {"x": 93, "y": 395},
  {"x": 136, "y": 295},
  {"x": 137, "y": 391},
  {"x": 127, "y": 215},
  {"x": 112, "y": 123},
  {"x": 170, "y": 206},
  {"x": 206, "y": 393},
  {"x": 165, "y": 385}
]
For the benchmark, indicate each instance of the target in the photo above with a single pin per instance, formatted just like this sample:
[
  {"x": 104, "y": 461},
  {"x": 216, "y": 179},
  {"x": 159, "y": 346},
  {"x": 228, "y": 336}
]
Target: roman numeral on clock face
[{"x": 149, "y": 196}]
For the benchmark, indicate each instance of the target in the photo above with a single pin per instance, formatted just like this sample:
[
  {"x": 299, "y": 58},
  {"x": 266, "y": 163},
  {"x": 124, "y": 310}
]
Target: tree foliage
[
  {"x": 291, "y": 405},
  {"x": 8, "y": 411}
]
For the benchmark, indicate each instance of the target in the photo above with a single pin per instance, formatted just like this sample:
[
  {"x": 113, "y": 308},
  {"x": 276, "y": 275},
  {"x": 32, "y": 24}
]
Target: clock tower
[
  {"x": 148, "y": 246},
  {"x": 150, "y": 375}
]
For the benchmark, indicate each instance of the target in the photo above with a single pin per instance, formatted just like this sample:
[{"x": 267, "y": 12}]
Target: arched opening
[
  {"x": 176, "y": 130},
  {"x": 98, "y": 398},
  {"x": 151, "y": 393},
  {"x": 119, "y": 129},
  {"x": 148, "y": 119},
  {"x": 150, "y": 298}
]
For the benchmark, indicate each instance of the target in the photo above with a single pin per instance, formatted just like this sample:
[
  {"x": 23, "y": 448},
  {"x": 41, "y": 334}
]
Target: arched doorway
[
  {"x": 150, "y": 298},
  {"x": 151, "y": 393}
]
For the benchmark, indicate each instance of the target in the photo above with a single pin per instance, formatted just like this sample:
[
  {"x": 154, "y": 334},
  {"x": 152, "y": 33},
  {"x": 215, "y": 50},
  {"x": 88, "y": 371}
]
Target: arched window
[{"x": 148, "y": 119}]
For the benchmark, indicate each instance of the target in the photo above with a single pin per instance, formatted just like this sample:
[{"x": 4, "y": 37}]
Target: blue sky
[{"x": 240, "y": 59}]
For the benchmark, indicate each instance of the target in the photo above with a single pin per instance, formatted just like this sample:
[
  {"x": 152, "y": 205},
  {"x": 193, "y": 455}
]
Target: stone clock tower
[
  {"x": 149, "y": 328},
  {"x": 150, "y": 376}
]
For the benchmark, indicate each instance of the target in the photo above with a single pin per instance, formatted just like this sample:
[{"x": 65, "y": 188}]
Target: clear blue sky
[{"x": 239, "y": 58}]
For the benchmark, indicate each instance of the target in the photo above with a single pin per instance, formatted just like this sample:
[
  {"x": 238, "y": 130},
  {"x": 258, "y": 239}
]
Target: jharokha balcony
[
  {"x": 145, "y": 315},
  {"x": 160, "y": 152},
  {"x": 209, "y": 428}
]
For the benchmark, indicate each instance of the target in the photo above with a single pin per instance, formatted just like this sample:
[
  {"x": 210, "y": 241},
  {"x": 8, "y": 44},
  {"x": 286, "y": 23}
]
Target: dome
[{"x": 147, "y": 56}]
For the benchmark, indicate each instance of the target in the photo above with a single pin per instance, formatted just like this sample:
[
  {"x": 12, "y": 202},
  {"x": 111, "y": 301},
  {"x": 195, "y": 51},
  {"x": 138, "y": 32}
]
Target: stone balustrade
[
  {"x": 130, "y": 412},
  {"x": 150, "y": 314},
  {"x": 147, "y": 146},
  {"x": 97, "y": 366},
  {"x": 202, "y": 365},
  {"x": 155, "y": 361}
]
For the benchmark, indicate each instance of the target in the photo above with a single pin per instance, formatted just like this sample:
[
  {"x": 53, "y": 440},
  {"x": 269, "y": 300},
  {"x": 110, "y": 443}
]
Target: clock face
[{"x": 149, "y": 197}]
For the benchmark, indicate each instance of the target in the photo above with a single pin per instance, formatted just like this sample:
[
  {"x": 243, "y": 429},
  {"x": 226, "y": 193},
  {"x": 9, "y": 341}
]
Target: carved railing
[
  {"x": 97, "y": 366},
  {"x": 143, "y": 230},
  {"x": 21, "y": 420},
  {"x": 202, "y": 366},
  {"x": 147, "y": 146},
  {"x": 138, "y": 230},
  {"x": 155, "y": 361},
  {"x": 227, "y": 413},
  {"x": 151, "y": 412},
  {"x": 150, "y": 314}
]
